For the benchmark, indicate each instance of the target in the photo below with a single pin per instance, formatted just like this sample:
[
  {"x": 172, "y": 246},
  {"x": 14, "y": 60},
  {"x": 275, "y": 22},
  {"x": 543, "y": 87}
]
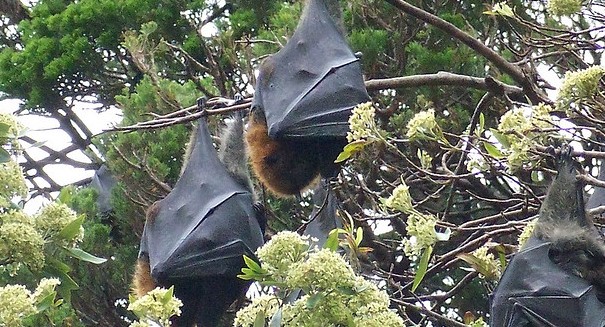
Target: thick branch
[
  {"x": 15, "y": 10},
  {"x": 439, "y": 79},
  {"x": 444, "y": 79}
]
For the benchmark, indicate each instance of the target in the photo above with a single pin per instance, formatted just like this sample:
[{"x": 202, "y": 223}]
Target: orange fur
[
  {"x": 284, "y": 167},
  {"x": 142, "y": 282}
]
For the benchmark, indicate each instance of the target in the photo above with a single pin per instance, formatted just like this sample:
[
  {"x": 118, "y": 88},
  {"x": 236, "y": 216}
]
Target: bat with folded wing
[
  {"x": 195, "y": 237},
  {"x": 302, "y": 102},
  {"x": 558, "y": 276}
]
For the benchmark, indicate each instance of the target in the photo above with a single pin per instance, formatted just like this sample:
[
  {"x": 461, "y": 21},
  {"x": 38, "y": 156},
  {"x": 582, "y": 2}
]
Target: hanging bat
[
  {"x": 302, "y": 102},
  {"x": 195, "y": 237},
  {"x": 558, "y": 277}
]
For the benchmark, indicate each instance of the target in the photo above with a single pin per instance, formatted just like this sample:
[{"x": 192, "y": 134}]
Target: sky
[{"x": 46, "y": 130}]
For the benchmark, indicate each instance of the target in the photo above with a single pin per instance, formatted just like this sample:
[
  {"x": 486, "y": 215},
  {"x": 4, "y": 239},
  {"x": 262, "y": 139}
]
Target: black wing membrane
[
  {"x": 534, "y": 291},
  {"x": 103, "y": 181},
  {"x": 309, "y": 87},
  {"x": 541, "y": 284},
  {"x": 324, "y": 217},
  {"x": 205, "y": 224}
]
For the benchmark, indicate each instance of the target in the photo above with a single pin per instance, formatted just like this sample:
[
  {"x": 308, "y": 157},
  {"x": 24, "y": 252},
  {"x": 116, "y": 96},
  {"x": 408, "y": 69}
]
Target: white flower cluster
[
  {"x": 282, "y": 251},
  {"x": 400, "y": 200},
  {"x": 21, "y": 244},
  {"x": 52, "y": 218},
  {"x": 564, "y": 7},
  {"x": 526, "y": 233},
  {"x": 420, "y": 227},
  {"x": 158, "y": 305},
  {"x": 491, "y": 266},
  {"x": 523, "y": 129},
  {"x": 12, "y": 183},
  {"x": 421, "y": 233},
  {"x": 579, "y": 85},
  {"x": 422, "y": 126},
  {"x": 362, "y": 124},
  {"x": 18, "y": 303},
  {"x": 335, "y": 296}
]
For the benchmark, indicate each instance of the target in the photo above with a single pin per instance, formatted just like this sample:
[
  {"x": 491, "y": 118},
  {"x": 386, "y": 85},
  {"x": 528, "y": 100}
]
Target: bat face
[{"x": 309, "y": 87}]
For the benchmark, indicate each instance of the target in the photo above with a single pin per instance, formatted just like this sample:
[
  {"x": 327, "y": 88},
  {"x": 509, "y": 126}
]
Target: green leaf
[
  {"x": 500, "y": 137},
  {"x": 46, "y": 302},
  {"x": 536, "y": 176},
  {"x": 276, "y": 319},
  {"x": 492, "y": 150},
  {"x": 314, "y": 299},
  {"x": 358, "y": 236},
  {"x": 72, "y": 229},
  {"x": 85, "y": 256},
  {"x": 245, "y": 277},
  {"x": 252, "y": 264},
  {"x": 503, "y": 9},
  {"x": 168, "y": 295},
  {"x": 259, "y": 321},
  {"x": 422, "y": 267},
  {"x": 332, "y": 240},
  {"x": 249, "y": 274},
  {"x": 501, "y": 255},
  {"x": 476, "y": 264},
  {"x": 67, "y": 283},
  {"x": 4, "y": 128},
  {"x": 58, "y": 265},
  {"x": 4, "y": 155},
  {"x": 351, "y": 149},
  {"x": 481, "y": 124},
  {"x": 66, "y": 194}
]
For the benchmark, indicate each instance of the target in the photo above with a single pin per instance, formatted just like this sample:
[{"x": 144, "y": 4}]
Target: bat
[
  {"x": 303, "y": 98},
  {"x": 102, "y": 181},
  {"x": 195, "y": 237},
  {"x": 557, "y": 277}
]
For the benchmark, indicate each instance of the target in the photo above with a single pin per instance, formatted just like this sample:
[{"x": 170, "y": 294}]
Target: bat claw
[
  {"x": 565, "y": 155},
  {"x": 238, "y": 98},
  {"x": 201, "y": 103}
]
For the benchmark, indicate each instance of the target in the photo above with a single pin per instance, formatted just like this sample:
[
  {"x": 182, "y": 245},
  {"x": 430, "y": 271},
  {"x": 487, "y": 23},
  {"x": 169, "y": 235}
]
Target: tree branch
[
  {"x": 185, "y": 115},
  {"x": 535, "y": 95}
]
